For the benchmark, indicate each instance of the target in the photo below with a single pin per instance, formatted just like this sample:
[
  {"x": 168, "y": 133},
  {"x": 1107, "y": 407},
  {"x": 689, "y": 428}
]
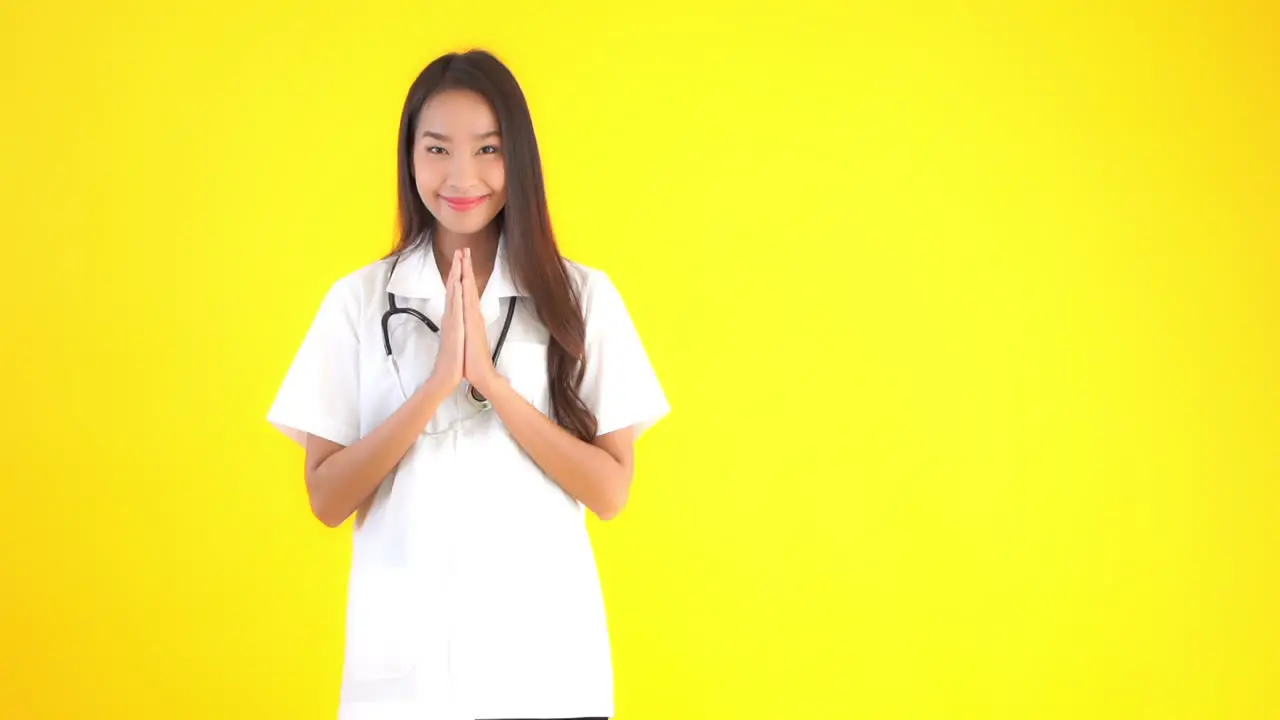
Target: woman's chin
[{"x": 467, "y": 222}]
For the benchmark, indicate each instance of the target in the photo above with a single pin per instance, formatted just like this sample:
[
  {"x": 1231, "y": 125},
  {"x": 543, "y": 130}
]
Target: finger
[
  {"x": 455, "y": 269},
  {"x": 468, "y": 279},
  {"x": 455, "y": 282}
]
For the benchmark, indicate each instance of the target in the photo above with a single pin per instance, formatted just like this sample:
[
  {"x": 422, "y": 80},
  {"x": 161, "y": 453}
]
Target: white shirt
[{"x": 473, "y": 590}]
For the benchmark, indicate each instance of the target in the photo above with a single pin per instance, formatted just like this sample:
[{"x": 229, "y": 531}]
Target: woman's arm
[
  {"x": 341, "y": 478},
  {"x": 597, "y": 475}
]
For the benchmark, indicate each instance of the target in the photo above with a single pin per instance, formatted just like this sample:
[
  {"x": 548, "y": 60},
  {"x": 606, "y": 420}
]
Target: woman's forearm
[
  {"x": 340, "y": 479},
  {"x": 587, "y": 472}
]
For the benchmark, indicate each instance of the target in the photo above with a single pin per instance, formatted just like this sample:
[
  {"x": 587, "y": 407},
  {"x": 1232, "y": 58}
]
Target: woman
[{"x": 468, "y": 398}]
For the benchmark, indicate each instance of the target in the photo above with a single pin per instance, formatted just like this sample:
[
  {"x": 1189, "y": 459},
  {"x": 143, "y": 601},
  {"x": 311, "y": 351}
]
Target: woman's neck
[{"x": 484, "y": 251}]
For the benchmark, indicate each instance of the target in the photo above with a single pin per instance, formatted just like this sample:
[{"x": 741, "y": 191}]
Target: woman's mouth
[{"x": 463, "y": 204}]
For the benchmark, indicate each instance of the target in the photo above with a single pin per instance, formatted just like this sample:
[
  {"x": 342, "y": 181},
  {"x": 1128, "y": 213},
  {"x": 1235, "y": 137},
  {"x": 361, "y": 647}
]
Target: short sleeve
[
  {"x": 320, "y": 392},
  {"x": 619, "y": 383}
]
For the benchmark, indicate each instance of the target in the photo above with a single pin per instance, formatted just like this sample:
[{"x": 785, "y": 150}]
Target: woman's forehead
[{"x": 458, "y": 113}]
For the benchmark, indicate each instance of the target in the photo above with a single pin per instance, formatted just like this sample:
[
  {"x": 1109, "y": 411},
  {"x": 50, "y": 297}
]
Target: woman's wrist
[
  {"x": 488, "y": 383},
  {"x": 495, "y": 387},
  {"x": 431, "y": 394}
]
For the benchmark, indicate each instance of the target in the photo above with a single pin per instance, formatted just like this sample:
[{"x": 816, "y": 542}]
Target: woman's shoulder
[
  {"x": 580, "y": 274},
  {"x": 356, "y": 288},
  {"x": 594, "y": 286}
]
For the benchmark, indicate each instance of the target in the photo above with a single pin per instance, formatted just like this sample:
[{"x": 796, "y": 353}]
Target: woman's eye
[
  {"x": 488, "y": 150},
  {"x": 435, "y": 150}
]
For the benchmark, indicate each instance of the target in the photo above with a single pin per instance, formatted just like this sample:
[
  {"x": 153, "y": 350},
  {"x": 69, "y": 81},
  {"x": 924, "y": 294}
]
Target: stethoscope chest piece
[{"x": 477, "y": 399}]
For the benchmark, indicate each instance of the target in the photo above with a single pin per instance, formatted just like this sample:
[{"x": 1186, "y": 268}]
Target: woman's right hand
[{"x": 447, "y": 373}]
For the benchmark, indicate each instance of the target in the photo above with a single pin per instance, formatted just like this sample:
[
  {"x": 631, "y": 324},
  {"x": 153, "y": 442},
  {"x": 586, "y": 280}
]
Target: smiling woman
[
  {"x": 468, "y": 464},
  {"x": 457, "y": 160}
]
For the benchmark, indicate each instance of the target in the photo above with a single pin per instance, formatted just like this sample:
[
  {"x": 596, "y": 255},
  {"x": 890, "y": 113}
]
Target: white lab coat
[{"x": 473, "y": 590}]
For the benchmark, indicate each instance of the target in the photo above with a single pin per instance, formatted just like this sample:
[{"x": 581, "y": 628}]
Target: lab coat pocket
[{"x": 380, "y": 619}]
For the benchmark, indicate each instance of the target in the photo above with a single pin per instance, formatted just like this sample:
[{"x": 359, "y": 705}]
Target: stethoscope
[{"x": 393, "y": 310}]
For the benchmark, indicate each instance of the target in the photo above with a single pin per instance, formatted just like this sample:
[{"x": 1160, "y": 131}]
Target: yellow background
[{"x": 967, "y": 313}]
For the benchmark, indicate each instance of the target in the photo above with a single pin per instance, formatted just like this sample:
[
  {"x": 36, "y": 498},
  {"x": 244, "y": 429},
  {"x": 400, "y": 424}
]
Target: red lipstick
[{"x": 463, "y": 204}]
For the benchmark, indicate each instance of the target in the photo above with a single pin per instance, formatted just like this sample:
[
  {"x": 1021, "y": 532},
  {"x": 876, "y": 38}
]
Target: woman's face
[{"x": 457, "y": 161}]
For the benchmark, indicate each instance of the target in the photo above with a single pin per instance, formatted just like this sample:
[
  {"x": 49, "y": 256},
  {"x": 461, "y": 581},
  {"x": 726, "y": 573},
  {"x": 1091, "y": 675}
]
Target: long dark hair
[{"x": 537, "y": 267}]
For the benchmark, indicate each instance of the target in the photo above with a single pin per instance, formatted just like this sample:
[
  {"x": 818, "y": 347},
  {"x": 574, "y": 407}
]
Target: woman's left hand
[{"x": 477, "y": 363}]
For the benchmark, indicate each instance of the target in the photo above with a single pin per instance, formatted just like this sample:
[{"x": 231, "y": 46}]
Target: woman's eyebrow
[{"x": 445, "y": 138}]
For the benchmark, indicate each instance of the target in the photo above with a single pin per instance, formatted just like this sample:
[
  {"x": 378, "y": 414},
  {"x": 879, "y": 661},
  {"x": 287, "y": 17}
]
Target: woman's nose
[{"x": 462, "y": 172}]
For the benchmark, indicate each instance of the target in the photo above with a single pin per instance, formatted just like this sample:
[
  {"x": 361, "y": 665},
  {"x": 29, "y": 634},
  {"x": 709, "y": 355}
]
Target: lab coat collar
[{"x": 417, "y": 276}]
